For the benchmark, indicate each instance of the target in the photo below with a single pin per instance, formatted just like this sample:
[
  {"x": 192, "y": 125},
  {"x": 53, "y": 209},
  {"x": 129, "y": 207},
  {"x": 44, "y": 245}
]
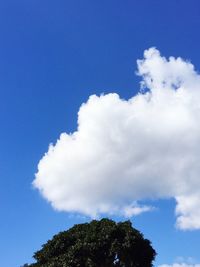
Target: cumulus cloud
[
  {"x": 126, "y": 152},
  {"x": 182, "y": 262},
  {"x": 179, "y": 265}
]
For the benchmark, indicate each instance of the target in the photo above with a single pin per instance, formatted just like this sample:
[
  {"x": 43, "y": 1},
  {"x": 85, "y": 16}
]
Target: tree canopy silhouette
[{"x": 103, "y": 243}]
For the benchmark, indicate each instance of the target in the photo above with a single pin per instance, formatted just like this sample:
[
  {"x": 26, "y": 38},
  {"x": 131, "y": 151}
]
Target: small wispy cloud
[
  {"x": 125, "y": 152},
  {"x": 179, "y": 265}
]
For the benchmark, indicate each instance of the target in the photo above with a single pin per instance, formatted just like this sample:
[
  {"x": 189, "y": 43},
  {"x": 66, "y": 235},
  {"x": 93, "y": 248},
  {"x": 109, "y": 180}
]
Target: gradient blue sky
[{"x": 53, "y": 55}]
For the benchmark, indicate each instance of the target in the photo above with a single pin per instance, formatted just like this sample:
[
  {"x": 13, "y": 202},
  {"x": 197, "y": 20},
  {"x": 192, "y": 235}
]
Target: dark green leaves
[{"x": 101, "y": 243}]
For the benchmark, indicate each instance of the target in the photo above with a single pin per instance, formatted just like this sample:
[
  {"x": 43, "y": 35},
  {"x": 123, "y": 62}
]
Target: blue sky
[{"x": 53, "y": 56}]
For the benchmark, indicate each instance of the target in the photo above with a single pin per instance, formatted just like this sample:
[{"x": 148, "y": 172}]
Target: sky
[{"x": 99, "y": 117}]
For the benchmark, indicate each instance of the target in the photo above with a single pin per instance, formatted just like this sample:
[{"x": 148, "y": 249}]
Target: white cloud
[
  {"x": 179, "y": 265},
  {"x": 182, "y": 262},
  {"x": 125, "y": 152}
]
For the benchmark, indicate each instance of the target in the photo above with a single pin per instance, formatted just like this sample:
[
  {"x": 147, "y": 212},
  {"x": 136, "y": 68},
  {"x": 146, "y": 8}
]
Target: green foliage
[{"x": 101, "y": 243}]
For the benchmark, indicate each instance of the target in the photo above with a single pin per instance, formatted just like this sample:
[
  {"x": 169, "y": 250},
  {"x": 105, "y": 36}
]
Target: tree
[{"x": 103, "y": 243}]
